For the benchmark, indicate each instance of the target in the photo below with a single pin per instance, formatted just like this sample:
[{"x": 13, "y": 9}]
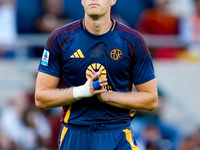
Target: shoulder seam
[
  {"x": 63, "y": 30},
  {"x": 131, "y": 31}
]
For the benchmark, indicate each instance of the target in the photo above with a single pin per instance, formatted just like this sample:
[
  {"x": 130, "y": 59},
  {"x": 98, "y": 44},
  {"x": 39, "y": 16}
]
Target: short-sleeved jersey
[{"x": 121, "y": 54}]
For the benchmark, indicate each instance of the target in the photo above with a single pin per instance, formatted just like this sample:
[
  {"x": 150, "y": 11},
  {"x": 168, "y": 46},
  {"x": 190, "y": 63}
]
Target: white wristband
[{"x": 82, "y": 91}]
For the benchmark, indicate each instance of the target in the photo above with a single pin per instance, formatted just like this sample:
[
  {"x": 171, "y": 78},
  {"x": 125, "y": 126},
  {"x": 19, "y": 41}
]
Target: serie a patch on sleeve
[{"x": 45, "y": 58}]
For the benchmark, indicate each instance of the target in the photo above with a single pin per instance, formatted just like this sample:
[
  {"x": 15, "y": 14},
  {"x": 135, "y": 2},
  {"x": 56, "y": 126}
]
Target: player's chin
[{"x": 94, "y": 13}]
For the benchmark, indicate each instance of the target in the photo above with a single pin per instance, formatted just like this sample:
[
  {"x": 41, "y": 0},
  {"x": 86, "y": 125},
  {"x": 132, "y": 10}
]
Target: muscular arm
[
  {"x": 145, "y": 98},
  {"x": 47, "y": 95}
]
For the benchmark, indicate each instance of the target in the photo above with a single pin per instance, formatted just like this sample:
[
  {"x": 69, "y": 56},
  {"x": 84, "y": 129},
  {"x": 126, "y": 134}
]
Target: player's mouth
[{"x": 93, "y": 5}]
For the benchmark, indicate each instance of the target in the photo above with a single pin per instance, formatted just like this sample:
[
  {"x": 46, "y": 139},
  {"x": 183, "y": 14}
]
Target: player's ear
[{"x": 113, "y": 2}]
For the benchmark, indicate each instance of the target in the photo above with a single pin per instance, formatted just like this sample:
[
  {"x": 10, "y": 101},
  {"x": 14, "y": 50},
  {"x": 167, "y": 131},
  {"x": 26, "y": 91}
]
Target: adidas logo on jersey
[{"x": 77, "y": 54}]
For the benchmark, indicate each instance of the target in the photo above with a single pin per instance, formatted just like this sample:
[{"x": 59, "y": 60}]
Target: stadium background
[{"x": 173, "y": 125}]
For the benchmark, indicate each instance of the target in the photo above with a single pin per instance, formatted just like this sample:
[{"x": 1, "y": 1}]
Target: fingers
[
  {"x": 95, "y": 92},
  {"x": 96, "y": 85},
  {"x": 94, "y": 75},
  {"x": 101, "y": 89},
  {"x": 99, "y": 83},
  {"x": 102, "y": 82}
]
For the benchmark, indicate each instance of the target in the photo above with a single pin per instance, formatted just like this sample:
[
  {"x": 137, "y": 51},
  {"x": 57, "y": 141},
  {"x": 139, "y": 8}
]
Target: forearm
[
  {"x": 48, "y": 96},
  {"x": 132, "y": 100},
  {"x": 51, "y": 98}
]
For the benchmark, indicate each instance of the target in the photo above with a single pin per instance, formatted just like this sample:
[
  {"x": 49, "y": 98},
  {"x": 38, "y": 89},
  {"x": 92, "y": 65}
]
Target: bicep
[
  {"x": 148, "y": 95},
  {"x": 45, "y": 81},
  {"x": 150, "y": 86}
]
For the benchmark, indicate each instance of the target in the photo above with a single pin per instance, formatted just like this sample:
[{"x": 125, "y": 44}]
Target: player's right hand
[{"x": 94, "y": 76}]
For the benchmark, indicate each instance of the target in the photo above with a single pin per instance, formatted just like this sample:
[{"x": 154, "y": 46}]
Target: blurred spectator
[
  {"x": 8, "y": 28},
  {"x": 6, "y": 143},
  {"x": 191, "y": 142},
  {"x": 197, "y": 139},
  {"x": 53, "y": 118},
  {"x": 181, "y": 7},
  {"x": 53, "y": 16},
  {"x": 152, "y": 139},
  {"x": 24, "y": 126},
  {"x": 27, "y": 13},
  {"x": 190, "y": 30},
  {"x": 159, "y": 20},
  {"x": 51, "y": 115},
  {"x": 188, "y": 144},
  {"x": 190, "y": 27}
]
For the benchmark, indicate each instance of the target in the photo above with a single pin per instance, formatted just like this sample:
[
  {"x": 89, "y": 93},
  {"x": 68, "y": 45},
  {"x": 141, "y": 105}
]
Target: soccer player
[{"x": 98, "y": 59}]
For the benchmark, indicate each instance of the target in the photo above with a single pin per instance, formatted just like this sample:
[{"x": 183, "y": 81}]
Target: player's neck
[{"x": 98, "y": 26}]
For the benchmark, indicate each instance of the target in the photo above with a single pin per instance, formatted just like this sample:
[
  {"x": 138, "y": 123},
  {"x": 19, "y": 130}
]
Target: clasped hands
[
  {"x": 101, "y": 92},
  {"x": 93, "y": 86}
]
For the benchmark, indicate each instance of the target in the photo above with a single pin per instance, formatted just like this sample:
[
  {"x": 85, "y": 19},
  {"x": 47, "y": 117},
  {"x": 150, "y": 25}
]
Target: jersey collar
[{"x": 98, "y": 36}]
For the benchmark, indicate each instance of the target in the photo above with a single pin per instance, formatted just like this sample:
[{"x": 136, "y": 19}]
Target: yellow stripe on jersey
[
  {"x": 80, "y": 53},
  {"x": 103, "y": 71},
  {"x": 90, "y": 68},
  {"x": 76, "y": 55},
  {"x": 63, "y": 133},
  {"x": 130, "y": 140},
  {"x": 94, "y": 66},
  {"x": 113, "y": 26},
  {"x": 103, "y": 76},
  {"x": 72, "y": 56},
  {"x": 66, "y": 119},
  {"x": 102, "y": 67},
  {"x": 132, "y": 113},
  {"x": 98, "y": 65}
]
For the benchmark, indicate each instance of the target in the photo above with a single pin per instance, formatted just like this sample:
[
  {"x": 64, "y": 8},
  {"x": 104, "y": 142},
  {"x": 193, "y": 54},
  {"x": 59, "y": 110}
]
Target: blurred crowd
[
  {"x": 23, "y": 126},
  {"x": 150, "y": 17}
]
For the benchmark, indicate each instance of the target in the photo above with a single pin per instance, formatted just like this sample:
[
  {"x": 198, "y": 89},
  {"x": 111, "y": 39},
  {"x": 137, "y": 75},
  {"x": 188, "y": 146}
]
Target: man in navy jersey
[{"x": 98, "y": 60}]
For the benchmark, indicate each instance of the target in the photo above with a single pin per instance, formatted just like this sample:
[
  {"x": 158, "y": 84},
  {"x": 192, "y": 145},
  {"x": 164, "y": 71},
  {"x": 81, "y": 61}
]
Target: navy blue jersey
[{"x": 121, "y": 54}]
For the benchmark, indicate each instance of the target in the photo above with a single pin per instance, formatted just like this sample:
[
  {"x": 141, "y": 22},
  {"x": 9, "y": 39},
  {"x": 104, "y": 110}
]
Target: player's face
[{"x": 97, "y": 7}]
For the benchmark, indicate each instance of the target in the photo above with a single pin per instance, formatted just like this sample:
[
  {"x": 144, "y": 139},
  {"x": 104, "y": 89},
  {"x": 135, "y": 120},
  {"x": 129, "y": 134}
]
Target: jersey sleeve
[
  {"x": 143, "y": 70},
  {"x": 51, "y": 58}
]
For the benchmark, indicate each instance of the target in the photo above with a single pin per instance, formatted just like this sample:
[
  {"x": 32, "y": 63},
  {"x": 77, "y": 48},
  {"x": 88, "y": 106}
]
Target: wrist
[
  {"x": 105, "y": 97},
  {"x": 82, "y": 91},
  {"x": 108, "y": 97}
]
